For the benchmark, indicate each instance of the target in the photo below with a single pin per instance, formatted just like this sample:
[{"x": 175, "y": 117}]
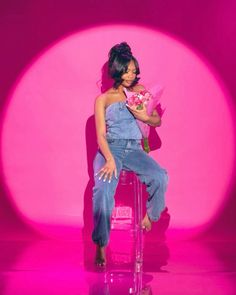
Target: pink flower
[{"x": 138, "y": 98}]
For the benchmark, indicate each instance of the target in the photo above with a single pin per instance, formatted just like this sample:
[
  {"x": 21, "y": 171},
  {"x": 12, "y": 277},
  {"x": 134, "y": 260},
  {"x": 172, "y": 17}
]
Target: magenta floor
[{"x": 170, "y": 266}]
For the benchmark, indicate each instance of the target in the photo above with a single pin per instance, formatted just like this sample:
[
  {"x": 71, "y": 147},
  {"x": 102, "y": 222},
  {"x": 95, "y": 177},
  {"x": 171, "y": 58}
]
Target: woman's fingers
[
  {"x": 102, "y": 174},
  {"x": 105, "y": 174}
]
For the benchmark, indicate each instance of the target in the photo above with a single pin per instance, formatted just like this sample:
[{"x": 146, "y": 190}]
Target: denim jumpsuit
[{"x": 124, "y": 140}]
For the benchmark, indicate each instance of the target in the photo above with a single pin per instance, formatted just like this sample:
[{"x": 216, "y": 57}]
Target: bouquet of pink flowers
[
  {"x": 150, "y": 100},
  {"x": 138, "y": 99}
]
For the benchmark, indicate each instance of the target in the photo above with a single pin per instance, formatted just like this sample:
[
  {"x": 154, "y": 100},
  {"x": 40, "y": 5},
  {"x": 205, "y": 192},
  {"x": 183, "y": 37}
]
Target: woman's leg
[
  {"x": 103, "y": 203},
  {"x": 155, "y": 178}
]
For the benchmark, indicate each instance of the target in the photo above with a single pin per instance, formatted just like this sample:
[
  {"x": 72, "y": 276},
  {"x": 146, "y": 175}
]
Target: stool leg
[{"x": 138, "y": 216}]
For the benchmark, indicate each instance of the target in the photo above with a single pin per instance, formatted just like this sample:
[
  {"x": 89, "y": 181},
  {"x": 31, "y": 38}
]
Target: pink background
[{"x": 35, "y": 39}]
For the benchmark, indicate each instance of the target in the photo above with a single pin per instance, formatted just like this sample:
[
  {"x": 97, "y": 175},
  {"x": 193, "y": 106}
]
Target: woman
[{"x": 119, "y": 141}]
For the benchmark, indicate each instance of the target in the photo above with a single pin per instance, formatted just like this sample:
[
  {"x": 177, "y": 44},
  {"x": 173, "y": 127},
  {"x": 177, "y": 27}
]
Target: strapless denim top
[{"x": 120, "y": 122}]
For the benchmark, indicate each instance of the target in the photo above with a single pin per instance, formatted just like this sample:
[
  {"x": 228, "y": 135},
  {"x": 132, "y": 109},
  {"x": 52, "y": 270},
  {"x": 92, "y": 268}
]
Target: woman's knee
[
  {"x": 159, "y": 179},
  {"x": 163, "y": 178}
]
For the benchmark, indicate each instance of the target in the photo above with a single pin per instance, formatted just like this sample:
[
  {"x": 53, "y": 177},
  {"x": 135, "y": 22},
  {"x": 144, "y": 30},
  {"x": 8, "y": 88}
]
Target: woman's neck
[{"x": 120, "y": 88}]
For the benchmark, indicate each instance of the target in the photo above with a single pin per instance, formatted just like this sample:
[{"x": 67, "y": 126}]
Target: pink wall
[{"x": 27, "y": 29}]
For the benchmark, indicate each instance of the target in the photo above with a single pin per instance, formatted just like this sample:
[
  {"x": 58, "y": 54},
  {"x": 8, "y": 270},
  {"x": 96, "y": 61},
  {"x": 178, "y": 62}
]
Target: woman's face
[{"x": 129, "y": 76}]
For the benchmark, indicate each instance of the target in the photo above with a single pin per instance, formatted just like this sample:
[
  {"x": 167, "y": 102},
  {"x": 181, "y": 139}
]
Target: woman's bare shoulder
[
  {"x": 108, "y": 97},
  {"x": 105, "y": 97},
  {"x": 101, "y": 96},
  {"x": 101, "y": 99}
]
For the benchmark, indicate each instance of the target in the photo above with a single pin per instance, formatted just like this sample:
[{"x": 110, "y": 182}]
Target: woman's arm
[
  {"x": 110, "y": 167},
  {"x": 154, "y": 119}
]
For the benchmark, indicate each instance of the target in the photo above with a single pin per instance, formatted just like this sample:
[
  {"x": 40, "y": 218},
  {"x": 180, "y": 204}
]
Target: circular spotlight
[{"x": 44, "y": 150}]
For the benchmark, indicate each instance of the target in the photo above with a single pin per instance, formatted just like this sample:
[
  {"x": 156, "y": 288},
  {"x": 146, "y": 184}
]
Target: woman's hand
[
  {"x": 153, "y": 120},
  {"x": 139, "y": 114},
  {"x": 107, "y": 170}
]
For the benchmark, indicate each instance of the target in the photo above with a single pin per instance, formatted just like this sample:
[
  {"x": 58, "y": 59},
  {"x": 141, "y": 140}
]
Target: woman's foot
[
  {"x": 146, "y": 223},
  {"x": 100, "y": 259}
]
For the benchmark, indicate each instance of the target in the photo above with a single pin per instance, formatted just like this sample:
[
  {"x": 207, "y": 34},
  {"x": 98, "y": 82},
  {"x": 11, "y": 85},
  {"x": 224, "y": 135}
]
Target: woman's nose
[{"x": 131, "y": 76}]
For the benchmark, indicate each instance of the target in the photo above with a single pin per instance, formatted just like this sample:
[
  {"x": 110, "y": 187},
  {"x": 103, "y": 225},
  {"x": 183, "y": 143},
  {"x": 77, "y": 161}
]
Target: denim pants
[{"x": 128, "y": 155}]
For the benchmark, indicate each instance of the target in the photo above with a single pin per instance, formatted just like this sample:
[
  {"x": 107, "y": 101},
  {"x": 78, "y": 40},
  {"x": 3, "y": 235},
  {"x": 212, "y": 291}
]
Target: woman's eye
[{"x": 134, "y": 72}]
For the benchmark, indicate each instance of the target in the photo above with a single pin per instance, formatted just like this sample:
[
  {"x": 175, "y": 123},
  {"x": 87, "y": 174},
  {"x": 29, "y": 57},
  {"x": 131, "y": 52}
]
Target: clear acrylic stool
[{"x": 128, "y": 214}]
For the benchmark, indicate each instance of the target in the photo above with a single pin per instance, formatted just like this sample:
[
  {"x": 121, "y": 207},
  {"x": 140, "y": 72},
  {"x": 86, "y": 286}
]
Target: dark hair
[{"x": 120, "y": 56}]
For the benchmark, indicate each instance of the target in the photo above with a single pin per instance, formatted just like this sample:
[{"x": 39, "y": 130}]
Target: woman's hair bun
[{"x": 121, "y": 49}]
